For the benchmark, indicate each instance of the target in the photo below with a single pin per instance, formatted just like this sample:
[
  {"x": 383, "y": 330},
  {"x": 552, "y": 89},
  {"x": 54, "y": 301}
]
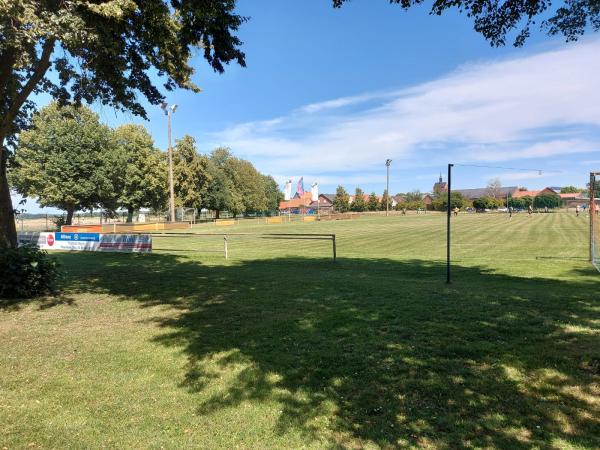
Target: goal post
[{"x": 594, "y": 187}]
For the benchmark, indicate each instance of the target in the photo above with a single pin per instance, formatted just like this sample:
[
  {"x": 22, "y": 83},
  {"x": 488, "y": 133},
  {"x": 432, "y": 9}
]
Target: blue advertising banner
[{"x": 82, "y": 237}]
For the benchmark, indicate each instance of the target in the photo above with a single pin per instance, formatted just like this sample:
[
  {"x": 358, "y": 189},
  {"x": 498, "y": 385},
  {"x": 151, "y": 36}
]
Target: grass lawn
[{"x": 279, "y": 347}]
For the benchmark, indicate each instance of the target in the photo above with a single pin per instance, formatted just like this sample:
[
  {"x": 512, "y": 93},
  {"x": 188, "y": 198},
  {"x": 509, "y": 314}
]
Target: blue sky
[{"x": 329, "y": 94}]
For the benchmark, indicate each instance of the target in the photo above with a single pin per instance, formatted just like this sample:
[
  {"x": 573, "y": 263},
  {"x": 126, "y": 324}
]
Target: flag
[
  {"x": 288, "y": 190},
  {"x": 300, "y": 187},
  {"x": 314, "y": 192}
]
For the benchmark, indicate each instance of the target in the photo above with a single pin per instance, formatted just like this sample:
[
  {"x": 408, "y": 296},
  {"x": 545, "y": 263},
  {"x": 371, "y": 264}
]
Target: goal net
[
  {"x": 183, "y": 214},
  {"x": 594, "y": 220}
]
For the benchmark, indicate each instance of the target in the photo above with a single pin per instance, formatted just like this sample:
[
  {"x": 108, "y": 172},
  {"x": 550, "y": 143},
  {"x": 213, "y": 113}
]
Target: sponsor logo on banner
[
  {"x": 86, "y": 237},
  {"x": 50, "y": 239}
]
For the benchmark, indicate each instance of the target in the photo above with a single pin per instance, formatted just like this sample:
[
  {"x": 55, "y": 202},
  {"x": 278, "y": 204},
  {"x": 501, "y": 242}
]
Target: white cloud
[{"x": 535, "y": 107}]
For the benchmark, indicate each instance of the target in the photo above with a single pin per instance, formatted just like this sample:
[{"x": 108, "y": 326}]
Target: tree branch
[
  {"x": 21, "y": 97},
  {"x": 8, "y": 60}
]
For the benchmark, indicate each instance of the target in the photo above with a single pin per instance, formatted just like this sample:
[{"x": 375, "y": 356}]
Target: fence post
[
  {"x": 334, "y": 247},
  {"x": 225, "y": 243}
]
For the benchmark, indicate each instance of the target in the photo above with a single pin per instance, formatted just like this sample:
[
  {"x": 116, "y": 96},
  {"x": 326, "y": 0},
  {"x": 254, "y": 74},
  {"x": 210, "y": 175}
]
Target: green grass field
[{"x": 279, "y": 347}]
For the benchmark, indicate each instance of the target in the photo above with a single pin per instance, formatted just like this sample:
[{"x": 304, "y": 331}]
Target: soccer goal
[
  {"x": 183, "y": 214},
  {"x": 594, "y": 220}
]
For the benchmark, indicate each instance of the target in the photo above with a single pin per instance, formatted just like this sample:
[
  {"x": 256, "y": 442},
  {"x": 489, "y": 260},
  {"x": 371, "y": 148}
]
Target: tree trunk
[
  {"x": 70, "y": 212},
  {"x": 217, "y": 214},
  {"x": 8, "y": 229},
  {"x": 130, "y": 212}
]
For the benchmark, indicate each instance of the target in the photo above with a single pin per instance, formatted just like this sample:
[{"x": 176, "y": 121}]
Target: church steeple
[{"x": 440, "y": 177}]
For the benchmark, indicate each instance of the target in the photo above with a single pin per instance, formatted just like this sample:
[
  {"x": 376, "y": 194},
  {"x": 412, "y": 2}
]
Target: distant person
[
  {"x": 403, "y": 211},
  {"x": 510, "y": 212},
  {"x": 545, "y": 209},
  {"x": 529, "y": 210},
  {"x": 577, "y": 210},
  {"x": 455, "y": 211}
]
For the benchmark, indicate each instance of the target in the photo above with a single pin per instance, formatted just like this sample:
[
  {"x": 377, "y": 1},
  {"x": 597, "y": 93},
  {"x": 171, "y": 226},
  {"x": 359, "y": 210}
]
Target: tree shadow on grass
[
  {"x": 378, "y": 351},
  {"x": 50, "y": 301}
]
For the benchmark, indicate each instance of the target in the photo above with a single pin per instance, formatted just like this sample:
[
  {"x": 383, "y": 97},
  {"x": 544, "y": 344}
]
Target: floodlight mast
[
  {"x": 168, "y": 111},
  {"x": 387, "y": 186}
]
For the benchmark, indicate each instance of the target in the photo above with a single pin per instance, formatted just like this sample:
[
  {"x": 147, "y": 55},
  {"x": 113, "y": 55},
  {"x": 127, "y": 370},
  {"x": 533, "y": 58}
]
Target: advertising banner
[{"x": 90, "y": 242}]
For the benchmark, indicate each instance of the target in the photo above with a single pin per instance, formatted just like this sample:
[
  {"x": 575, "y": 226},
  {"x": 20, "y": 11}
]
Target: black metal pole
[{"x": 448, "y": 280}]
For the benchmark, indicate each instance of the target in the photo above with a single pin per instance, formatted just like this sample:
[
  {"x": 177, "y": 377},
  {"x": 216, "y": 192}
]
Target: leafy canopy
[
  {"x": 62, "y": 159},
  {"x": 191, "y": 174},
  {"x": 341, "y": 202},
  {"x": 359, "y": 204},
  {"x": 373, "y": 203},
  {"x": 496, "y": 20},
  {"x": 105, "y": 50},
  {"x": 140, "y": 170}
]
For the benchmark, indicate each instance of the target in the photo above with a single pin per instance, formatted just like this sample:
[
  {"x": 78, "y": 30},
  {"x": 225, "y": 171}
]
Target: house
[
  {"x": 325, "y": 203},
  {"x": 298, "y": 203},
  {"x": 501, "y": 192},
  {"x": 575, "y": 199},
  {"x": 396, "y": 200},
  {"x": 532, "y": 194},
  {"x": 428, "y": 201}
]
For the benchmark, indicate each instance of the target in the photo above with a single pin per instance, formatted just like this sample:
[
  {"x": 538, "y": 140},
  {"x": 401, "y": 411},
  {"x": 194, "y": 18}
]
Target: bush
[
  {"x": 27, "y": 272},
  {"x": 487, "y": 203},
  {"x": 549, "y": 201},
  {"x": 457, "y": 200},
  {"x": 59, "y": 221}
]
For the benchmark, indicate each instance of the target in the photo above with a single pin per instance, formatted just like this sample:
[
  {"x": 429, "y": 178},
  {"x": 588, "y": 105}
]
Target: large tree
[
  {"x": 373, "y": 202},
  {"x": 359, "y": 204},
  {"x": 223, "y": 194},
  {"x": 62, "y": 160},
  {"x": 498, "y": 21},
  {"x": 248, "y": 183},
  {"x": 494, "y": 188},
  {"x": 101, "y": 51},
  {"x": 190, "y": 173},
  {"x": 341, "y": 202},
  {"x": 140, "y": 170},
  {"x": 272, "y": 193}
]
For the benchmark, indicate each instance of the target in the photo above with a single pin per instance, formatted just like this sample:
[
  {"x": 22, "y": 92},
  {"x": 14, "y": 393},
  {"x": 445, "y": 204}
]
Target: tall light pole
[
  {"x": 169, "y": 109},
  {"x": 387, "y": 186}
]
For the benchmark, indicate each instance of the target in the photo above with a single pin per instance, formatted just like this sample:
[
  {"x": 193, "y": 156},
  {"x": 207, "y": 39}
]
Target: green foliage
[
  {"x": 487, "y": 203},
  {"x": 341, "y": 203},
  {"x": 191, "y": 174},
  {"x": 549, "y": 201},
  {"x": 59, "y": 221},
  {"x": 412, "y": 205},
  {"x": 457, "y": 200},
  {"x": 359, "y": 204},
  {"x": 413, "y": 196},
  {"x": 249, "y": 185},
  {"x": 222, "y": 193},
  {"x": 373, "y": 202},
  {"x": 520, "y": 202},
  {"x": 570, "y": 190},
  {"x": 27, "y": 272},
  {"x": 140, "y": 170},
  {"x": 497, "y": 22},
  {"x": 273, "y": 195},
  {"x": 63, "y": 159}
]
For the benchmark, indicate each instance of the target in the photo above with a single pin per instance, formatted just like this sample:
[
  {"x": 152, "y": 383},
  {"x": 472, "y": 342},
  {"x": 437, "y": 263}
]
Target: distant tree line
[
  {"x": 69, "y": 160},
  {"x": 362, "y": 202}
]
